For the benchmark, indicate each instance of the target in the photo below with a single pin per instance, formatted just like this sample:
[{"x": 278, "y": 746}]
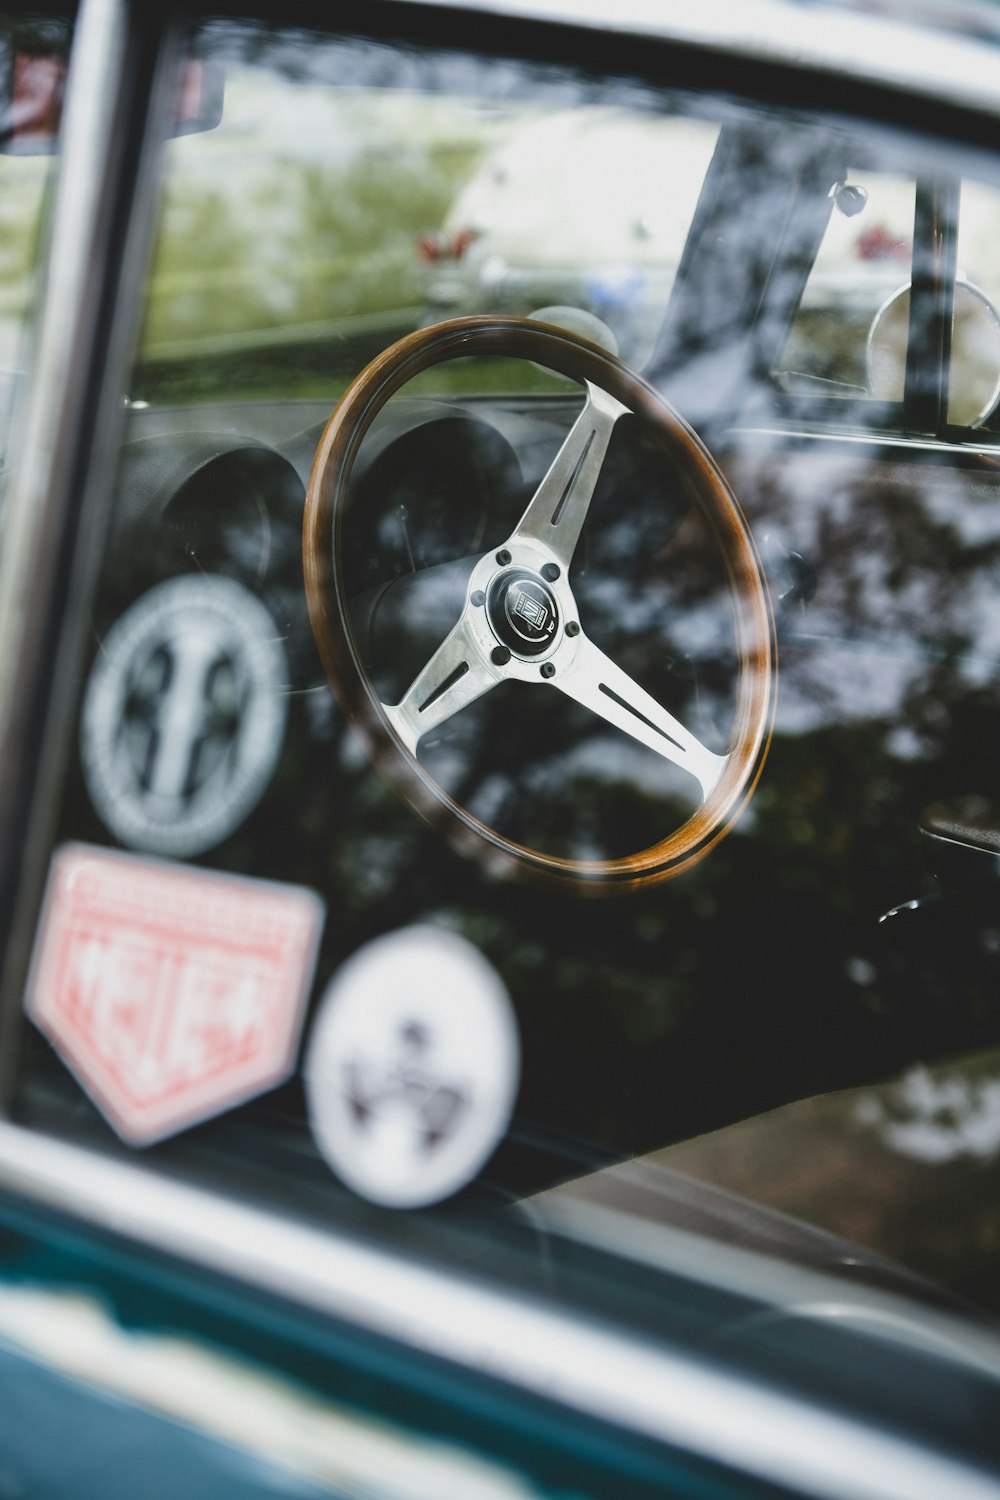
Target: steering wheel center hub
[{"x": 522, "y": 612}]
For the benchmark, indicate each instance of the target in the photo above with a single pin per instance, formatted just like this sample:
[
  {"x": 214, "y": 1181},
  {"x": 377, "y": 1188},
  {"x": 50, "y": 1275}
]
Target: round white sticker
[
  {"x": 412, "y": 1068},
  {"x": 184, "y": 715}
]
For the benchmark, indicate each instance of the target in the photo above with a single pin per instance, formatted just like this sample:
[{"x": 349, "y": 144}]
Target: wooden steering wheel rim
[{"x": 706, "y": 487}]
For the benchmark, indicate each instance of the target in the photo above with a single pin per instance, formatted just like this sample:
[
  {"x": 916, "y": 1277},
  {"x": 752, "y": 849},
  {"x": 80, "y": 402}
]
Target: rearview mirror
[{"x": 33, "y": 83}]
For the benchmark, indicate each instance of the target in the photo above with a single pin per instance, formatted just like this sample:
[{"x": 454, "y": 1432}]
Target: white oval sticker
[
  {"x": 184, "y": 716},
  {"x": 412, "y": 1068}
]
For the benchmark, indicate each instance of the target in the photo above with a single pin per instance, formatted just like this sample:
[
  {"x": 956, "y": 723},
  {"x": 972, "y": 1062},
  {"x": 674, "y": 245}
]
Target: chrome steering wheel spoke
[
  {"x": 593, "y": 679},
  {"x": 558, "y": 508},
  {"x": 456, "y": 675}
]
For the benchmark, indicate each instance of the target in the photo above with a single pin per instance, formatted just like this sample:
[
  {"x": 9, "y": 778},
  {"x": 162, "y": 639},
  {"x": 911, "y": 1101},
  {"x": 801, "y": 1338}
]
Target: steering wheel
[{"x": 520, "y": 621}]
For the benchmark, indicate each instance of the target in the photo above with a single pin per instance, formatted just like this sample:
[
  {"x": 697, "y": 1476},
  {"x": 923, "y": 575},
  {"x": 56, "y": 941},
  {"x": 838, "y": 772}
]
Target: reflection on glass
[
  {"x": 316, "y": 224},
  {"x": 863, "y": 259}
]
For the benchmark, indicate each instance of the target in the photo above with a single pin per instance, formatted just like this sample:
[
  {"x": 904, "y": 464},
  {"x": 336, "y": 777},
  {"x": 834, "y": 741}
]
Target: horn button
[{"x": 522, "y": 612}]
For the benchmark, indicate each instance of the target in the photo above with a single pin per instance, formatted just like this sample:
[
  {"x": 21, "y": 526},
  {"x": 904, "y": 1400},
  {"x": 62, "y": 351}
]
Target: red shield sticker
[{"x": 171, "y": 993}]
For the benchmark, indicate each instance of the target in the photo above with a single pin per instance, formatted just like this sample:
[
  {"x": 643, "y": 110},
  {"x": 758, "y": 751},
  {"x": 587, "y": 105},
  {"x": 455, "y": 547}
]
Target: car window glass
[{"x": 272, "y": 817}]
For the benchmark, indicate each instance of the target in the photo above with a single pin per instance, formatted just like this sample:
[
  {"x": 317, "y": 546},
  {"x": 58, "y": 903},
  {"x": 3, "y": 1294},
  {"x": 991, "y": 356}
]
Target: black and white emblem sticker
[
  {"x": 412, "y": 1068},
  {"x": 184, "y": 716}
]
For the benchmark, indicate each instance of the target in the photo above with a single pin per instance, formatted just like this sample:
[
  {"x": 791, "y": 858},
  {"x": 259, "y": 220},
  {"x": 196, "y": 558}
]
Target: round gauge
[{"x": 429, "y": 498}]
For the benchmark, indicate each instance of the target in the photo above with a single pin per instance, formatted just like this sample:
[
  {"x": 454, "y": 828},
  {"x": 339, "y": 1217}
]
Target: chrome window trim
[
  {"x": 65, "y": 427},
  {"x": 38, "y": 455},
  {"x": 43, "y": 435},
  {"x": 583, "y": 1364},
  {"x": 869, "y": 48}
]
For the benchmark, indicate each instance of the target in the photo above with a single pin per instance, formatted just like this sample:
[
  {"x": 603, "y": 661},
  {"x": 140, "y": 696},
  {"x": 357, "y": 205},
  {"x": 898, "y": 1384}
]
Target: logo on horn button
[{"x": 523, "y": 613}]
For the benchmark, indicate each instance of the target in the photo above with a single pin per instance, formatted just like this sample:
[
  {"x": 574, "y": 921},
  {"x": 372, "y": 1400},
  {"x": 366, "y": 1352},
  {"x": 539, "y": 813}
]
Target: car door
[{"x": 377, "y": 855}]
